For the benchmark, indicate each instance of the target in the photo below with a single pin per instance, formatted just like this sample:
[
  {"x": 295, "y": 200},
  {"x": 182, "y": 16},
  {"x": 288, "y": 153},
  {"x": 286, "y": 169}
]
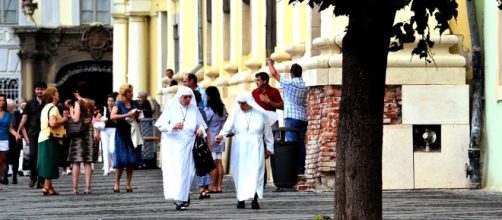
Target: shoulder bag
[
  {"x": 202, "y": 157},
  {"x": 57, "y": 132}
]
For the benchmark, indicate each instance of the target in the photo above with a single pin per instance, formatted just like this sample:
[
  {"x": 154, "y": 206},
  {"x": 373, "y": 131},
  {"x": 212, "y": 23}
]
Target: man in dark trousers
[{"x": 31, "y": 114}]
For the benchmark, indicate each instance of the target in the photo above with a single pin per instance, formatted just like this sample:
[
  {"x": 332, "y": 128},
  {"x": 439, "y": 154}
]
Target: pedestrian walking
[
  {"x": 31, "y": 115},
  {"x": 5, "y": 129},
  {"x": 108, "y": 136},
  {"x": 295, "y": 107},
  {"x": 127, "y": 155},
  {"x": 252, "y": 143},
  {"x": 204, "y": 181},
  {"x": 81, "y": 150},
  {"x": 180, "y": 123},
  {"x": 216, "y": 114},
  {"x": 15, "y": 146},
  {"x": 49, "y": 146}
]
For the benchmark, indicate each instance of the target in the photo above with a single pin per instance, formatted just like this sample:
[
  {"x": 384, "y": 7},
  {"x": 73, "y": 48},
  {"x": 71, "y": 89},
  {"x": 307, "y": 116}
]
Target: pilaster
[{"x": 136, "y": 65}]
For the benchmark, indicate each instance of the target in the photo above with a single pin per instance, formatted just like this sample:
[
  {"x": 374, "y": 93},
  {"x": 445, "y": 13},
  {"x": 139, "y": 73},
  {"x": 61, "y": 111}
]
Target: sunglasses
[
  {"x": 241, "y": 103},
  {"x": 186, "y": 97}
]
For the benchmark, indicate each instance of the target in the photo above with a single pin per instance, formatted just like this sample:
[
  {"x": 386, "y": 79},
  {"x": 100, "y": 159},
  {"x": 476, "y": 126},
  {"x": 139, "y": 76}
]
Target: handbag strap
[
  {"x": 105, "y": 110},
  {"x": 48, "y": 116}
]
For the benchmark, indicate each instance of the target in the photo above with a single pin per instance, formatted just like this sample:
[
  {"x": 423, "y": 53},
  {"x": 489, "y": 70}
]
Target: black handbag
[
  {"x": 202, "y": 157},
  {"x": 75, "y": 128}
]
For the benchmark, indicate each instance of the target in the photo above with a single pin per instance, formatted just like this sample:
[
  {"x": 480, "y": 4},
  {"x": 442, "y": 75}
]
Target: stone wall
[{"x": 323, "y": 113}]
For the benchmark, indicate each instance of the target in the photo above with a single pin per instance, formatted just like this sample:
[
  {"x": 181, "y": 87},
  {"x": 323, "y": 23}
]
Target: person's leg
[
  {"x": 88, "y": 176},
  {"x": 111, "y": 146},
  {"x": 303, "y": 151},
  {"x": 75, "y": 174},
  {"x": 118, "y": 175},
  {"x": 297, "y": 136},
  {"x": 15, "y": 164},
  {"x": 3, "y": 158},
  {"x": 290, "y": 135},
  {"x": 33, "y": 159},
  {"x": 104, "y": 144},
  {"x": 219, "y": 175},
  {"x": 130, "y": 170}
]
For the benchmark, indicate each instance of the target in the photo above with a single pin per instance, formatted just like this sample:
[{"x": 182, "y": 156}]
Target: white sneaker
[
  {"x": 112, "y": 170},
  {"x": 106, "y": 174}
]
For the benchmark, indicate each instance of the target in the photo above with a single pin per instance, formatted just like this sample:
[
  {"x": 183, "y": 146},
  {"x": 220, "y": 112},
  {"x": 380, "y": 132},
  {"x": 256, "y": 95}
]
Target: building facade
[{"x": 226, "y": 42}]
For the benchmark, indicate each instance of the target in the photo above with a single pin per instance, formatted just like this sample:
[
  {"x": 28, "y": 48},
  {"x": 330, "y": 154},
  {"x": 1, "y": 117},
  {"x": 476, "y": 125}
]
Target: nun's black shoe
[
  {"x": 241, "y": 205},
  {"x": 255, "y": 205}
]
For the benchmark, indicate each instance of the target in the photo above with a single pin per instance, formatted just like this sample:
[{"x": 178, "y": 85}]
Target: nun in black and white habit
[
  {"x": 251, "y": 144},
  {"x": 180, "y": 123}
]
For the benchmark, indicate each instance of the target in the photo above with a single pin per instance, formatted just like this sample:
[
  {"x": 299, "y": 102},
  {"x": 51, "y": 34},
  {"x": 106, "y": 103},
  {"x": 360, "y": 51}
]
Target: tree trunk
[{"x": 365, "y": 48}]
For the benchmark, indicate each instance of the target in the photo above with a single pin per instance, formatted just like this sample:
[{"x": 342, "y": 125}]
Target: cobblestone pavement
[{"x": 146, "y": 202}]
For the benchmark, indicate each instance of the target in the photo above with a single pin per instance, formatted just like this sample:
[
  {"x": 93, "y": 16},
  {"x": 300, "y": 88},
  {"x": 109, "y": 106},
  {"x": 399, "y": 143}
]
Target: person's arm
[
  {"x": 13, "y": 131},
  {"x": 24, "y": 119},
  {"x": 55, "y": 122},
  {"x": 75, "y": 113},
  {"x": 268, "y": 138},
  {"x": 116, "y": 116},
  {"x": 275, "y": 101},
  {"x": 227, "y": 129},
  {"x": 272, "y": 69}
]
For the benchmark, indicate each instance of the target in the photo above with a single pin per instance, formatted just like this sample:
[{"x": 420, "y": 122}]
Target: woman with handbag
[
  {"x": 81, "y": 134},
  {"x": 252, "y": 144},
  {"x": 108, "y": 135},
  {"x": 180, "y": 123},
  {"x": 126, "y": 155},
  {"x": 50, "y": 140}
]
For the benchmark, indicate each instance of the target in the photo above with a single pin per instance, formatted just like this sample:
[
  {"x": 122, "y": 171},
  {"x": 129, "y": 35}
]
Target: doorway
[{"x": 99, "y": 75}]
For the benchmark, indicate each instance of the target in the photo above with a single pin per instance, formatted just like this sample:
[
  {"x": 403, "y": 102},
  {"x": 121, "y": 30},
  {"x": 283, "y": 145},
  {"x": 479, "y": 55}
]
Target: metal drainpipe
[
  {"x": 199, "y": 39},
  {"x": 477, "y": 84}
]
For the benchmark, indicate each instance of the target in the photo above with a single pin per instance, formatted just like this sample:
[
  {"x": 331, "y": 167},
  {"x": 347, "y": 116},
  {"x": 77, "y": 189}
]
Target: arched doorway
[{"x": 99, "y": 75}]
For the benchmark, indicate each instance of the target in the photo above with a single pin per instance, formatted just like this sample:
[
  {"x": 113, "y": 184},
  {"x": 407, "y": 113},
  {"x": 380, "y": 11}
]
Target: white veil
[
  {"x": 248, "y": 98},
  {"x": 162, "y": 122}
]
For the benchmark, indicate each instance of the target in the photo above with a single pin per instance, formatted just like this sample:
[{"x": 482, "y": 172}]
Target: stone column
[
  {"x": 136, "y": 64},
  {"x": 119, "y": 52}
]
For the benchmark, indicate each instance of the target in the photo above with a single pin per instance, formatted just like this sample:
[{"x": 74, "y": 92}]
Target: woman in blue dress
[{"x": 126, "y": 155}]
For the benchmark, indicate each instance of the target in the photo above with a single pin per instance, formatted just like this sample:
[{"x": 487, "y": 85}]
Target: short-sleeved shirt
[
  {"x": 295, "y": 98},
  {"x": 44, "y": 121},
  {"x": 273, "y": 94},
  {"x": 33, "y": 109},
  {"x": 4, "y": 126}
]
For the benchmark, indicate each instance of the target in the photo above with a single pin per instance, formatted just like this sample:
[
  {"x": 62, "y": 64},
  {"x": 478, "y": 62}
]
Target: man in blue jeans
[{"x": 295, "y": 107}]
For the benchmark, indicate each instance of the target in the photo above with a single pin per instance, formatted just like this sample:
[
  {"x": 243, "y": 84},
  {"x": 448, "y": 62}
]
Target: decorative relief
[
  {"x": 53, "y": 41},
  {"x": 97, "y": 40}
]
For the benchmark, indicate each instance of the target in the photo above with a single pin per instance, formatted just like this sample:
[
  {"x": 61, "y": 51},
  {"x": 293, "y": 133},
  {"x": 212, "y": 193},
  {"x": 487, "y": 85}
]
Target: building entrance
[{"x": 98, "y": 74}]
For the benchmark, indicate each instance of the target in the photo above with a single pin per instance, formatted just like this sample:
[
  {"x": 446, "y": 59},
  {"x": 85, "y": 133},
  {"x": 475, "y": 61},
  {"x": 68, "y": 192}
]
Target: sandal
[{"x": 204, "y": 195}]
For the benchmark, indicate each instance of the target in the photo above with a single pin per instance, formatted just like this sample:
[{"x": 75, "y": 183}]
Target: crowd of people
[{"x": 78, "y": 127}]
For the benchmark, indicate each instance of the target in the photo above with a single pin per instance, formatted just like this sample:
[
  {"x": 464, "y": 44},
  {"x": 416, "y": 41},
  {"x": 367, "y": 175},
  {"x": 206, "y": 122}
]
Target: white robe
[
  {"x": 178, "y": 167},
  {"x": 248, "y": 153}
]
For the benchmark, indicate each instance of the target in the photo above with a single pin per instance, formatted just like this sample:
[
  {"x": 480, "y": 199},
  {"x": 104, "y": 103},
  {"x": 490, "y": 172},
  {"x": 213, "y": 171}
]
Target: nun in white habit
[
  {"x": 252, "y": 144},
  {"x": 179, "y": 123}
]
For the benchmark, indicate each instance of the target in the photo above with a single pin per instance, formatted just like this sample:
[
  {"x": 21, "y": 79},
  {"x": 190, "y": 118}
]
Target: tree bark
[{"x": 365, "y": 49}]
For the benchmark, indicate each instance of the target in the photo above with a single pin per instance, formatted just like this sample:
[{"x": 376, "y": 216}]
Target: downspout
[
  {"x": 477, "y": 85},
  {"x": 199, "y": 38}
]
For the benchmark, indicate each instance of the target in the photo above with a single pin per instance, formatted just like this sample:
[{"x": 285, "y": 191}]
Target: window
[
  {"x": 270, "y": 34},
  {"x": 8, "y": 11},
  {"x": 95, "y": 11}
]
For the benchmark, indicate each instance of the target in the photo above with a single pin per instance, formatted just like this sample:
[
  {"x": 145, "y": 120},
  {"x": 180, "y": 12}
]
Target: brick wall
[{"x": 323, "y": 105}]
